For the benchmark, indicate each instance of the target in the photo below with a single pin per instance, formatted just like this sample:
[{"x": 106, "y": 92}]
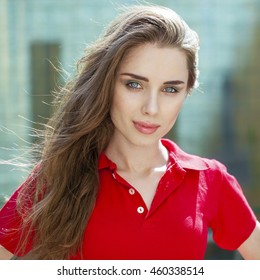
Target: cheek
[
  {"x": 172, "y": 110},
  {"x": 123, "y": 102},
  {"x": 118, "y": 107}
]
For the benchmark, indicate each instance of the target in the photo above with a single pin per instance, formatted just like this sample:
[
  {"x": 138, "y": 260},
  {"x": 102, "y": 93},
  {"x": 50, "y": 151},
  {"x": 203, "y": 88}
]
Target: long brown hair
[{"x": 67, "y": 176}]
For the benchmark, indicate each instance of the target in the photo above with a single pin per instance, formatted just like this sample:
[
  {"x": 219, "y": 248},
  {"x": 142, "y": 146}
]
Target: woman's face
[{"x": 150, "y": 88}]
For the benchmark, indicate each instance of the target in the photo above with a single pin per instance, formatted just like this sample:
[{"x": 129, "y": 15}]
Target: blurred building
[{"x": 219, "y": 120}]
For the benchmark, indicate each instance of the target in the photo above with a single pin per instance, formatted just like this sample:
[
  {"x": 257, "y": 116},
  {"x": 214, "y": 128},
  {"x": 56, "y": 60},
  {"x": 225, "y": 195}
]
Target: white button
[
  {"x": 140, "y": 210},
  {"x": 131, "y": 191}
]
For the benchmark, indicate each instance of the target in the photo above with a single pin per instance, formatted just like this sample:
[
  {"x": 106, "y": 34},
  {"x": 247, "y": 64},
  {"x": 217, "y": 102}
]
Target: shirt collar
[
  {"x": 177, "y": 156},
  {"x": 184, "y": 160},
  {"x": 105, "y": 162}
]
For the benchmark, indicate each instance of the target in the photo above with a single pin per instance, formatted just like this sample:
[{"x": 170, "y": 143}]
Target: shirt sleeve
[
  {"x": 234, "y": 220},
  {"x": 11, "y": 223}
]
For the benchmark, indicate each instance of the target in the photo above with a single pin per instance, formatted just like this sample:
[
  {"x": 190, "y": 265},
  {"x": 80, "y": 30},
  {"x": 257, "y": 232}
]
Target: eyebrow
[{"x": 138, "y": 77}]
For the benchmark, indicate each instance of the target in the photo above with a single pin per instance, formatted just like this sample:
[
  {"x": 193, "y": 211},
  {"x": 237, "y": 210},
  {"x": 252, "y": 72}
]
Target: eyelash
[{"x": 138, "y": 86}]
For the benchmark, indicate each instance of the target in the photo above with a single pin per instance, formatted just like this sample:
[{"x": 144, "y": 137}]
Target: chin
[{"x": 146, "y": 140}]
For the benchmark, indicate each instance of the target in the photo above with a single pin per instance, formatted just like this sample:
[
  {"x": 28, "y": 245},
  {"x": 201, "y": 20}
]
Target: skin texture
[
  {"x": 4, "y": 254},
  {"x": 250, "y": 249},
  {"x": 150, "y": 88},
  {"x": 149, "y": 99}
]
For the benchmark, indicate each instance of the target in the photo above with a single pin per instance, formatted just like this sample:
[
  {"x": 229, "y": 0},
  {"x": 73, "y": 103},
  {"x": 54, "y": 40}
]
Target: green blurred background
[{"x": 220, "y": 119}]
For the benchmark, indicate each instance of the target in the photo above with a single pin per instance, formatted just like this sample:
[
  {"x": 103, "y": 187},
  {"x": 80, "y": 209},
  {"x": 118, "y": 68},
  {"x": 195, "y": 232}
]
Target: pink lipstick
[{"x": 145, "y": 128}]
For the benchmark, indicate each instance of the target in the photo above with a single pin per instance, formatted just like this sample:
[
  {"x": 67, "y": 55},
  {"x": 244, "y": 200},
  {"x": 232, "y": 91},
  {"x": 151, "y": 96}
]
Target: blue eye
[
  {"x": 133, "y": 85},
  {"x": 170, "y": 90}
]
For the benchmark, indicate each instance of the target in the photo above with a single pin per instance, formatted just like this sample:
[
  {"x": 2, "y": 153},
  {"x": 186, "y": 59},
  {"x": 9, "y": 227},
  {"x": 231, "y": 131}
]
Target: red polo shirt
[{"x": 193, "y": 195}]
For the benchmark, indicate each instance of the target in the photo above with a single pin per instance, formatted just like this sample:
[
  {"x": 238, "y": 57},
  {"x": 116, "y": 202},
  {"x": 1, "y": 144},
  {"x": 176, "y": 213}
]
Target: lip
[{"x": 145, "y": 127}]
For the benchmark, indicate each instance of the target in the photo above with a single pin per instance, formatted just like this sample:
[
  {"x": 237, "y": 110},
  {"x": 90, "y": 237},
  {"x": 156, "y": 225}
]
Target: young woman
[{"x": 108, "y": 186}]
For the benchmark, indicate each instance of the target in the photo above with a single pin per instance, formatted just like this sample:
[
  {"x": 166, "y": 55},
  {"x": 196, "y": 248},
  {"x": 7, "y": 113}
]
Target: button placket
[
  {"x": 131, "y": 191},
  {"x": 140, "y": 210},
  {"x": 136, "y": 197}
]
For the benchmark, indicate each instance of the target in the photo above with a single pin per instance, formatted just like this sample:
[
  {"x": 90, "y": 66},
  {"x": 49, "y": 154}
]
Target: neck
[{"x": 137, "y": 159}]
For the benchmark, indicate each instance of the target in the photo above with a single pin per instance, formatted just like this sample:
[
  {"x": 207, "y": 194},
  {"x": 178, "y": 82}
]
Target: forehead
[{"x": 151, "y": 60}]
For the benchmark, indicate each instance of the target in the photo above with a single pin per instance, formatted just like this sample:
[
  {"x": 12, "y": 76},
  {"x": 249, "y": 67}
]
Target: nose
[{"x": 150, "y": 105}]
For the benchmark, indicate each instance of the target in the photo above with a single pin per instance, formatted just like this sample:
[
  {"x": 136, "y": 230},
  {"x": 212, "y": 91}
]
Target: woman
[{"x": 108, "y": 186}]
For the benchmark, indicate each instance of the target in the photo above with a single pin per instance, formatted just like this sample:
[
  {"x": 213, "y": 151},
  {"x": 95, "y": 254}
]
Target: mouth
[{"x": 145, "y": 128}]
